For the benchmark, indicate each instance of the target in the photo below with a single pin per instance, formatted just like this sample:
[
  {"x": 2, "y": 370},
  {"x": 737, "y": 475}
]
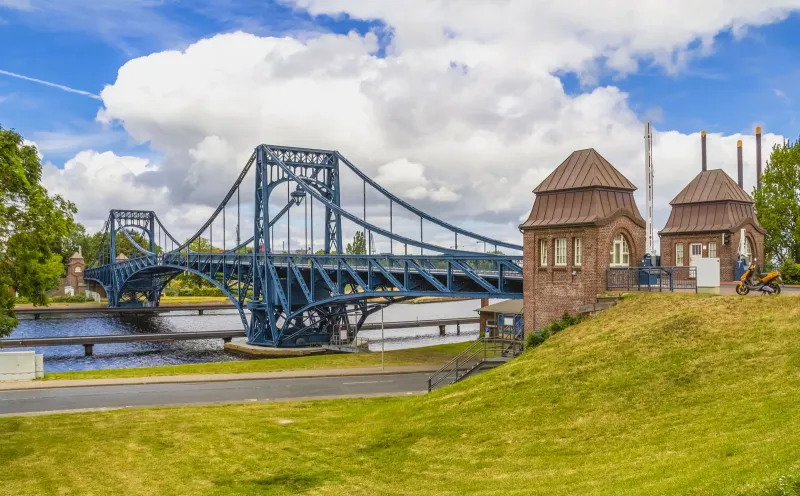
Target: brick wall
[
  {"x": 727, "y": 254},
  {"x": 551, "y": 290}
]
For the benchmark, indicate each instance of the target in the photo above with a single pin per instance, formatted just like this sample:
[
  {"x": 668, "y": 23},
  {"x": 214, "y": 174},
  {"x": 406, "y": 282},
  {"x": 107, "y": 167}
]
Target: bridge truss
[{"x": 301, "y": 298}]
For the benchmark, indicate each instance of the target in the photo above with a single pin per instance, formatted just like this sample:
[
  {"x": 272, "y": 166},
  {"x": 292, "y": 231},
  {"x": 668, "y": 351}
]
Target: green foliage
[
  {"x": 358, "y": 246},
  {"x": 777, "y": 203},
  {"x": 78, "y": 298},
  {"x": 536, "y": 338},
  {"x": 790, "y": 272},
  {"x": 486, "y": 264},
  {"x": 551, "y": 329},
  {"x": 195, "y": 291},
  {"x": 125, "y": 246},
  {"x": 187, "y": 280},
  {"x": 32, "y": 226}
]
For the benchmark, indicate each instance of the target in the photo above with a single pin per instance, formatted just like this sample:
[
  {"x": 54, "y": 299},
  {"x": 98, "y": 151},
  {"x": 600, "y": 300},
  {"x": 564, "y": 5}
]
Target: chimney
[
  {"x": 758, "y": 157},
  {"x": 739, "y": 161},
  {"x": 703, "y": 147}
]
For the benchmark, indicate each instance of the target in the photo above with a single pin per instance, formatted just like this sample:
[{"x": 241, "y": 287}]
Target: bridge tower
[
  {"x": 122, "y": 225},
  {"x": 317, "y": 169}
]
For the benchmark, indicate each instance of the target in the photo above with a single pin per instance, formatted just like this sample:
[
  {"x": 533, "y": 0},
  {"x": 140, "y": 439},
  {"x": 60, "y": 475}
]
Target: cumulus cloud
[
  {"x": 464, "y": 116},
  {"x": 98, "y": 182},
  {"x": 408, "y": 180}
]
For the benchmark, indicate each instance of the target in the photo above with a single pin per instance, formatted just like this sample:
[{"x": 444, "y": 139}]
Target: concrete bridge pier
[
  {"x": 458, "y": 328},
  {"x": 88, "y": 350},
  {"x": 441, "y": 329}
]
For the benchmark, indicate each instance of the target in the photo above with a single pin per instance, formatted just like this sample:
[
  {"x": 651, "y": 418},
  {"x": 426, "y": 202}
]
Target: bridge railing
[
  {"x": 651, "y": 278},
  {"x": 483, "y": 264}
]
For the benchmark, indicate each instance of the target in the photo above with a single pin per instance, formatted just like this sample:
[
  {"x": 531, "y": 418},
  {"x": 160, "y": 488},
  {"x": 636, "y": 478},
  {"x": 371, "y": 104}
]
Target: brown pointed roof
[
  {"x": 76, "y": 256},
  {"x": 711, "y": 186},
  {"x": 584, "y": 169},
  {"x": 584, "y": 190},
  {"x": 711, "y": 202}
]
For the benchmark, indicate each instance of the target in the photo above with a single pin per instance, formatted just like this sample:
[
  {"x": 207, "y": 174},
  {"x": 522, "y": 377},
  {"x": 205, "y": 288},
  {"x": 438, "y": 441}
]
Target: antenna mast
[{"x": 648, "y": 173}]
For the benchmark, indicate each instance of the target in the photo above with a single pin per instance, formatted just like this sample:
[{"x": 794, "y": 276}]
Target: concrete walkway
[{"x": 194, "y": 378}]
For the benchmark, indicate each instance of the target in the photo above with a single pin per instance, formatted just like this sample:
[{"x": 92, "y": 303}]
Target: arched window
[
  {"x": 620, "y": 254},
  {"x": 748, "y": 250},
  {"x": 78, "y": 270}
]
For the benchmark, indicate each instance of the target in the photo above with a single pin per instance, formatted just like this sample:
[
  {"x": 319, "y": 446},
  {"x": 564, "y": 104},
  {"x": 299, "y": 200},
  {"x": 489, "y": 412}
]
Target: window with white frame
[
  {"x": 576, "y": 251},
  {"x": 679, "y": 254},
  {"x": 543, "y": 252},
  {"x": 561, "y": 252},
  {"x": 620, "y": 255},
  {"x": 712, "y": 249}
]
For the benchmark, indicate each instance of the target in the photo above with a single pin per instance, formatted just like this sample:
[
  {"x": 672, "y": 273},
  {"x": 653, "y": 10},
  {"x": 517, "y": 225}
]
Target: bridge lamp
[{"x": 298, "y": 195}]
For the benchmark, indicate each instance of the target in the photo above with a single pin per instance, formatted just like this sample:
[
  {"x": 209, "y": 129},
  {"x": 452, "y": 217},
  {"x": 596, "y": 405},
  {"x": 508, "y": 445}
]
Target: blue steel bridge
[{"x": 298, "y": 299}]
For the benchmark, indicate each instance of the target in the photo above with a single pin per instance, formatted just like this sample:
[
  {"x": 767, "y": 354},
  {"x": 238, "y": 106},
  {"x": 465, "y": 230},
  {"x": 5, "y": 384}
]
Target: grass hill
[{"x": 663, "y": 394}]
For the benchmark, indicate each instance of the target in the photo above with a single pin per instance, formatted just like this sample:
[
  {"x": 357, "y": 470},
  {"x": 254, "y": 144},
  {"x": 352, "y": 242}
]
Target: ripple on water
[{"x": 126, "y": 355}]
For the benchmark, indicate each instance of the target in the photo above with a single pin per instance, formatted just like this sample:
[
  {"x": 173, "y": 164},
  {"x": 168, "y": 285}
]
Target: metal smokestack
[
  {"x": 739, "y": 161},
  {"x": 703, "y": 148},
  {"x": 758, "y": 157}
]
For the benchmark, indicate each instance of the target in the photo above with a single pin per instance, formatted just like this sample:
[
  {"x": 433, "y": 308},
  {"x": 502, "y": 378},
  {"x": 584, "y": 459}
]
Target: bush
[
  {"x": 551, "y": 329},
  {"x": 791, "y": 272},
  {"x": 21, "y": 300},
  {"x": 78, "y": 298},
  {"x": 537, "y": 338},
  {"x": 193, "y": 292}
]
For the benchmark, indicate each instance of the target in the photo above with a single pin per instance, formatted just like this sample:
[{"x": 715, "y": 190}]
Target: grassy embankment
[
  {"x": 429, "y": 355},
  {"x": 663, "y": 394}
]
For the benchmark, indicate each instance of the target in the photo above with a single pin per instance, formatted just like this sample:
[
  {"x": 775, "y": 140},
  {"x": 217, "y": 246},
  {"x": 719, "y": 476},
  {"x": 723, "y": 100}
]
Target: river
[{"x": 112, "y": 356}]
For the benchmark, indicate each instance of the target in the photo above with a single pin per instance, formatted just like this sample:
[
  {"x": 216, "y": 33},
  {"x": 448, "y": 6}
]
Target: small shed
[{"x": 504, "y": 317}]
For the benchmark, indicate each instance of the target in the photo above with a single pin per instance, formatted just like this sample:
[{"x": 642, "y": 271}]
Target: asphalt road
[{"x": 239, "y": 391}]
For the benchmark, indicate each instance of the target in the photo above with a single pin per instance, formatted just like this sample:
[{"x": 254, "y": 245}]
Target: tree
[
  {"x": 358, "y": 246},
  {"x": 76, "y": 239},
  {"x": 187, "y": 279},
  {"x": 32, "y": 225},
  {"x": 777, "y": 203},
  {"x": 125, "y": 246}
]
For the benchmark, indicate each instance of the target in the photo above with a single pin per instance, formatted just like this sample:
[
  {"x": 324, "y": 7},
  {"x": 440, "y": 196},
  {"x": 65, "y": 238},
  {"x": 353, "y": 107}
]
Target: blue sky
[
  {"x": 35, "y": 44},
  {"x": 746, "y": 81}
]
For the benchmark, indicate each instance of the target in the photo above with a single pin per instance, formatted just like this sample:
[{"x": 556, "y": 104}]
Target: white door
[{"x": 695, "y": 252}]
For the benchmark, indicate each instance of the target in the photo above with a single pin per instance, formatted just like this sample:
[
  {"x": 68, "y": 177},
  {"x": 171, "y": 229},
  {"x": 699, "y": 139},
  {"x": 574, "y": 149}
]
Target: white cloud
[
  {"x": 98, "y": 182},
  {"x": 408, "y": 180},
  {"x": 464, "y": 116}
]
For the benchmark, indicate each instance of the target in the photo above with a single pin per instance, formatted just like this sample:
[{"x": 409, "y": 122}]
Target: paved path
[{"x": 54, "y": 400}]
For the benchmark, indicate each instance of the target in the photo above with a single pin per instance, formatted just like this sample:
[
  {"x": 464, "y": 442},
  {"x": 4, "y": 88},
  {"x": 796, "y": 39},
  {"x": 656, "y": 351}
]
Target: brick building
[
  {"x": 584, "y": 219},
  {"x": 72, "y": 282},
  {"x": 705, "y": 222}
]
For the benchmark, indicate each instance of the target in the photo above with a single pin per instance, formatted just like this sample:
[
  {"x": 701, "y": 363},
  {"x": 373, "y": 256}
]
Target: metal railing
[
  {"x": 651, "y": 278},
  {"x": 468, "y": 360}
]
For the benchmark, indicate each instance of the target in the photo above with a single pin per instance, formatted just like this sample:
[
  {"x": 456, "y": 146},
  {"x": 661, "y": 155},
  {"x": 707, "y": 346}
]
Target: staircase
[{"x": 483, "y": 354}]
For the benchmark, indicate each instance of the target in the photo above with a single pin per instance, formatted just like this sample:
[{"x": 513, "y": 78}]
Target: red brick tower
[
  {"x": 74, "y": 277},
  {"x": 584, "y": 218},
  {"x": 705, "y": 222}
]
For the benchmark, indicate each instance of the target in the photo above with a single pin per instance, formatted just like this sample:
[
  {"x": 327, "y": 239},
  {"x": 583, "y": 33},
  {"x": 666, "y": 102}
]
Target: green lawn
[
  {"x": 661, "y": 395},
  {"x": 429, "y": 355}
]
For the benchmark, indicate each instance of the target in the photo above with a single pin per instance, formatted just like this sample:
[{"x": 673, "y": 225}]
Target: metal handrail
[{"x": 464, "y": 360}]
